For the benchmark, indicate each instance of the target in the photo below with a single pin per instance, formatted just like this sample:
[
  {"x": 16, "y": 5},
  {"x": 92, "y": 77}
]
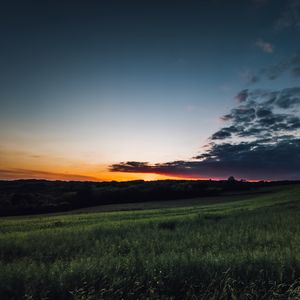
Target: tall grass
[{"x": 247, "y": 249}]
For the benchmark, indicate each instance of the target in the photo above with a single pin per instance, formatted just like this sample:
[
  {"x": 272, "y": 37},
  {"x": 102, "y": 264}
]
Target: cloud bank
[
  {"x": 251, "y": 160},
  {"x": 260, "y": 138}
]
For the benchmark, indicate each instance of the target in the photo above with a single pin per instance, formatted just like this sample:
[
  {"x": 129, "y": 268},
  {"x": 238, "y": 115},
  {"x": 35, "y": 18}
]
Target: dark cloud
[
  {"x": 224, "y": 133},
  {"x": 262, "y": 112},
  {"x": 271, "y": 118},
  {"x": 243, "y": 114},
  {"x": 288, "y": 98},
  {"x": 130, "y": 166},
  {"x": 270, "y": 123},
  {"x": 221, "y": 134},
  {"x": 253, "y": 131},
  {"x": 260, "y": 140},
  {"x": 254, "y": 160},
  {"x": 227, "y": 117},
  {"x": 242, "y": 96}
]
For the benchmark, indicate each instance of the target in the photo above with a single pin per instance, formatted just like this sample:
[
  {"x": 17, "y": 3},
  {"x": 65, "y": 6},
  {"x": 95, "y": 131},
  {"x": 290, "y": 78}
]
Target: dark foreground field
[{"x": 247, "y": 248}]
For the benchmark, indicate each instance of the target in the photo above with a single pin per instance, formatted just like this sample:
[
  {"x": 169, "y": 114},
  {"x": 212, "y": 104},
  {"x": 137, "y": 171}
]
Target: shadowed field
[{"x": 235, "y": 247}]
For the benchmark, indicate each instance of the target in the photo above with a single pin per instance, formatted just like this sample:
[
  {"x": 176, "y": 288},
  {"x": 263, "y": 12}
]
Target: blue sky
[{"x": 87, "y": 85}]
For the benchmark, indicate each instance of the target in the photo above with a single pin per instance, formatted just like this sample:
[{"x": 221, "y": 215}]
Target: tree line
[{"x": 41, "y": 196}]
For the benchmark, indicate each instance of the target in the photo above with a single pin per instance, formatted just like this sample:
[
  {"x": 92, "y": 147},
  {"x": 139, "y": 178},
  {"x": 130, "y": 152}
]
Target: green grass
[{"x": 248, "y": 248}]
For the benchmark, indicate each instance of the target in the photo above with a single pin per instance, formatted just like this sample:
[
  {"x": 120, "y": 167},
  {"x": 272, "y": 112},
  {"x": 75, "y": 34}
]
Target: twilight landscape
[{"x": 150, "y": 149}]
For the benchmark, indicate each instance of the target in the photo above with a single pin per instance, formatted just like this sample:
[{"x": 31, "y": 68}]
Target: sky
[{"x": 124, "y": 90}]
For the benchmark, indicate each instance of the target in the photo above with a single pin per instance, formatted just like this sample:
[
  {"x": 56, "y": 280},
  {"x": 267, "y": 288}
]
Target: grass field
[{"x": 238, "y": 247}]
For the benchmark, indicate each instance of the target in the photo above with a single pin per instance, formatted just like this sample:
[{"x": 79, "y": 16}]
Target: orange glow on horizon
[
  {"x": 23, "y": 165},
  {"x": 17, "y": 173}
]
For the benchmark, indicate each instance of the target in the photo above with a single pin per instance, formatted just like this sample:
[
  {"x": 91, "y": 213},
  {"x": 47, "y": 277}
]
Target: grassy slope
[{"x": 247, "y": 248}]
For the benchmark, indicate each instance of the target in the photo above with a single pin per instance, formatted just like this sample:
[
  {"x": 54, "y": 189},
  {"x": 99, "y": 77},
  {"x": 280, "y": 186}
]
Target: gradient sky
[{"x": 86, "y": 85}]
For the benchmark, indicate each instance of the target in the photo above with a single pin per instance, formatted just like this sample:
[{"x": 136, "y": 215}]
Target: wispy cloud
[
  {"x": 290, "y": 16},
  {"x": 264, "y": 46},
  {"x": 11, "y": 174},
  {"x": 242, "y": 96},
  {"x": 289, "y": 66}
]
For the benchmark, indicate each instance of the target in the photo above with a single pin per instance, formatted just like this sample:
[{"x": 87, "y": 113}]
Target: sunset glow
[{"x": 111, "y": 94}]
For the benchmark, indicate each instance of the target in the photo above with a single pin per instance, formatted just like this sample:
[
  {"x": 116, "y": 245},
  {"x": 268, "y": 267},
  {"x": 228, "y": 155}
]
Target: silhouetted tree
[{"x": 231, "y": 179}]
